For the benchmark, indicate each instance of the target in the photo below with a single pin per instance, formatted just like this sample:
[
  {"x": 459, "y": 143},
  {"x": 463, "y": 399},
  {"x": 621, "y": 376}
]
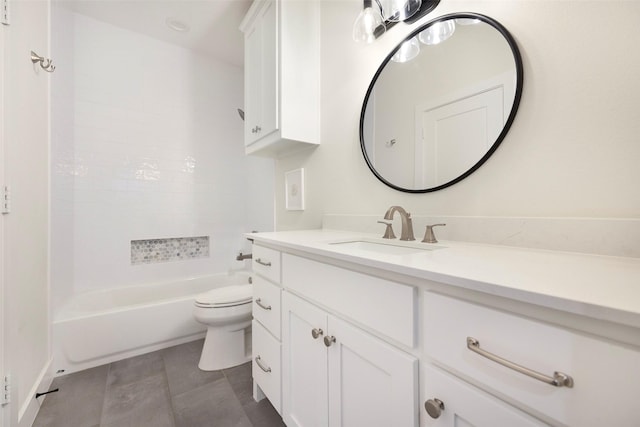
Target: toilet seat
[{"x": 228, "y": 296}]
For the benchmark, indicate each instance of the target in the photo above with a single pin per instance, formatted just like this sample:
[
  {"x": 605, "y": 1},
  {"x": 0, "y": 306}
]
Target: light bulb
[
  {"x": 408, "y": 50},
  {"x": 399, "y": 10},
  {"x": 437, "y": 33},
  {"x": 368, "y": 26}
]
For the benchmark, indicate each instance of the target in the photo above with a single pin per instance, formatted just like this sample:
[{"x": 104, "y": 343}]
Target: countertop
[{"x": 601, "y": 287}]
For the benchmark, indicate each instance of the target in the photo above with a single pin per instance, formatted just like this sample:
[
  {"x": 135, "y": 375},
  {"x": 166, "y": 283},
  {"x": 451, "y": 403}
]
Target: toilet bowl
[{"x": 227, "y": 313}]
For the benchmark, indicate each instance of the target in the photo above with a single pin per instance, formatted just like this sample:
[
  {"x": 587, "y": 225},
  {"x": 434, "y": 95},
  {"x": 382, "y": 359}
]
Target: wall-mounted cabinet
[{"x": 282, "y": 76}]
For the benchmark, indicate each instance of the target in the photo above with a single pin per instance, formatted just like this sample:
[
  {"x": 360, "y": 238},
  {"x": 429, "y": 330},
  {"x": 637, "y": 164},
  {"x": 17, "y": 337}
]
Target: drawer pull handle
[
  {"x": 261, "y": 366},
  {"x": 434, "y": 407},
  {"x": 558, "y": 380},
  {"x": 316, "y": 332},
  {"x": 261, "y": 305},
  {"x": 265, "y": 263}
]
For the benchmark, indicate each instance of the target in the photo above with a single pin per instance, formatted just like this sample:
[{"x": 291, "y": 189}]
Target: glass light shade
[
  {"x": 408, "y": 50},
  {"x": 399, "y": 10},
  {"x": 368, "y": 26},
  {"x": 438, "y": 32}
]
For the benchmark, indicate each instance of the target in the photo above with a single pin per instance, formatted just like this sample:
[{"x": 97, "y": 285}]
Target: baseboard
[{"x": 29, "y": 410}]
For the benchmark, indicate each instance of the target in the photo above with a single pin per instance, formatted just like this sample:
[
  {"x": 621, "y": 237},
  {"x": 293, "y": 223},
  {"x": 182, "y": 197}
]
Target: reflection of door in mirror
[{"x": 453, "y": 132}]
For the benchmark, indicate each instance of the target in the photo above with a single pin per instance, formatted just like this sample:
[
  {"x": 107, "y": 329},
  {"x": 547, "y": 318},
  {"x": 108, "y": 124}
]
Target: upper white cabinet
[{"x": 282, "y": 76}]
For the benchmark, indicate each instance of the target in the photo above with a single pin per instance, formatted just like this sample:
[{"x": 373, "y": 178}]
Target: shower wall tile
[{"x": 153, "y": 149}]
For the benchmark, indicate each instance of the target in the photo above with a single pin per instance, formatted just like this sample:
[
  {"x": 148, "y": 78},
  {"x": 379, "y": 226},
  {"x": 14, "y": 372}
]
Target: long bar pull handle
[
  {"x": 261, "y": 366},
  {"x": 261, "y": 305},
  {"x": 265, "y": 263},
  {"x": 559, "y": 379}
]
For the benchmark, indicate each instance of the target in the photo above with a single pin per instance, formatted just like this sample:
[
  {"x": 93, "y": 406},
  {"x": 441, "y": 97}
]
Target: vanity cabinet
[
  {"x": 282, "y": 66},
  {"x": 459, "y": 403},
  {"x": 266, "y": 327},
  {"x": 358, "y": 334},
  {"x": 477, "y": 342},
  {"x": 338, "y": 375}
]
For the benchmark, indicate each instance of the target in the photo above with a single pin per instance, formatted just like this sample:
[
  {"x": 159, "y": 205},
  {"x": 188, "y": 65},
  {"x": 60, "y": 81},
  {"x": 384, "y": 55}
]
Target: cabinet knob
[
  {"x": 328, "y": 340},
  {"x": 434, "y": 407},
  {"x": 258, "y": 129},
  {"x": 316, "y": 332}
]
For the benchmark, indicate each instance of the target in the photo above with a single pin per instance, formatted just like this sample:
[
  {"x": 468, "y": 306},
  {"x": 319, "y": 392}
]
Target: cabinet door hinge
[
  {"x": 5, "y": 394},
  {"x": 4, "y": 12},
  {"x": 5, "y": 200}
]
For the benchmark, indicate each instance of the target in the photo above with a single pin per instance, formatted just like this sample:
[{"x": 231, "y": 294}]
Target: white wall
[
  {"x": 148, "y": 145},
  {"x": 25, "y": 148},
  {"x": 572, "y": 151}
]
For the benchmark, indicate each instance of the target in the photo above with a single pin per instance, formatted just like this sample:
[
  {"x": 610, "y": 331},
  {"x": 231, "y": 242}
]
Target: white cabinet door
[
  {"x": 370, "y": 382},
  {"x": 252, "y": 77},
  {"x": 355, "y": 380},
  {"x": 466, "y": 406},
  {"x": 304, "y": 362},
  {"x": 269, "y": 77},
  {"x": 261, "y": 75}
]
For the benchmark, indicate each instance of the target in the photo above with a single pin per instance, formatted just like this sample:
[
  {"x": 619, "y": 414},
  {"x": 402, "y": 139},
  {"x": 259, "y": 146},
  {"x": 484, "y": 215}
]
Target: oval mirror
[{"x": 441, "y": 103}]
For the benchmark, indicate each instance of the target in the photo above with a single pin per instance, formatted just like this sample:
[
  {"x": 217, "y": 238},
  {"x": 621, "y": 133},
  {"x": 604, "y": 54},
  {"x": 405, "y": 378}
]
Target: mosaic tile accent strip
[{"x": 165, "y": 250}]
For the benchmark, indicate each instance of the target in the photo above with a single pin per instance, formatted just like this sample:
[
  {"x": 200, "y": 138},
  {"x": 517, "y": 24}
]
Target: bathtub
[{"x": 100, "y": 327}]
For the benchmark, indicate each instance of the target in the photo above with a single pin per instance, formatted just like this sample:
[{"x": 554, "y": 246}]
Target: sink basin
[{"x": 391, "y": 248}]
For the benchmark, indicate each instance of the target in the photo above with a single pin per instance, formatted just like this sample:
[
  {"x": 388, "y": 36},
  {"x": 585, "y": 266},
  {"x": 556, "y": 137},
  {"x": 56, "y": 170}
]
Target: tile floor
[{"x": 160, "y": 389}]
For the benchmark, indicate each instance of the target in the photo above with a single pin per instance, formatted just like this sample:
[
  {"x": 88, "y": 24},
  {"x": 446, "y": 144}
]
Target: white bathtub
[{"x": 100, "y": 327}]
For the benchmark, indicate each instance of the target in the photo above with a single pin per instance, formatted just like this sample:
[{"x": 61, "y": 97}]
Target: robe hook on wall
[{"x": 45, "y": 63}]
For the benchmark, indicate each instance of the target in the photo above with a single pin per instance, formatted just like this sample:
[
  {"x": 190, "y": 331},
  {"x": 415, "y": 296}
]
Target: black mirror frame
[{"x": 516, "y": 101}]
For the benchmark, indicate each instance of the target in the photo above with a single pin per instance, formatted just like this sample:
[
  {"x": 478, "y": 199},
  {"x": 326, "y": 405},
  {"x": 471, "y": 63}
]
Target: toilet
[{"x": 227, "y": 313}]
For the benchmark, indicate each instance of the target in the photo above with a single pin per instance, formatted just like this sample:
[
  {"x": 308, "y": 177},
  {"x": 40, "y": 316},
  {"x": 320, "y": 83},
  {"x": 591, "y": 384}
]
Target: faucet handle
[
  {"x": 429, "y": 236},
  {"x": 388, "y": 232}
]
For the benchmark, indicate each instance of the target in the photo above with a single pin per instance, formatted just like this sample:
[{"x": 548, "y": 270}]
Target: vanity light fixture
[
  {"x": 408, "y": 50},
  {"x": 399, "y": 10},
  {"x": 438, "y": 32},
  {"x": 369, "y": 24},
  {"x": 379, "y": 15}
]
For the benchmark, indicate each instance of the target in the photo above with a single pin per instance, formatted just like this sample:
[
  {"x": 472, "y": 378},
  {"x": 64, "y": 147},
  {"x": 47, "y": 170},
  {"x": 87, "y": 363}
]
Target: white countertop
[{"x": 601, "y": 287}]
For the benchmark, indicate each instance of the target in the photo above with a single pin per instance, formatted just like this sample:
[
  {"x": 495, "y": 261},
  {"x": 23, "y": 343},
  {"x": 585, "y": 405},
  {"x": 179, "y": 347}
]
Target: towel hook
[{"x": 45, "y": 63}]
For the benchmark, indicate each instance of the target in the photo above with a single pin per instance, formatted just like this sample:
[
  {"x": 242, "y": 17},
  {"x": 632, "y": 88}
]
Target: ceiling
[{"x": 213, "y": 23}]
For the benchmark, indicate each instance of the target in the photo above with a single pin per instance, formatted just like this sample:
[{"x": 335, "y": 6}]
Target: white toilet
[{"x": 227, "y": 313}]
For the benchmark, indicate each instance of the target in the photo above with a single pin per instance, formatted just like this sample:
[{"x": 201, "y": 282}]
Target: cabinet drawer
[
  {"x": 379, "y": 304},
  {"x": 266, "y": 305},
  {"x": 266, "y": 365},
  {"x": 266, "y": 262},
  {"x": 464, "y": 401},
  {"x": 543, "y": 348}
]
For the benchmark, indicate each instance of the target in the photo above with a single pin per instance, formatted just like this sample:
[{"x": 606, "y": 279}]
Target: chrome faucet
[{"x": 407, "y": 223}]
